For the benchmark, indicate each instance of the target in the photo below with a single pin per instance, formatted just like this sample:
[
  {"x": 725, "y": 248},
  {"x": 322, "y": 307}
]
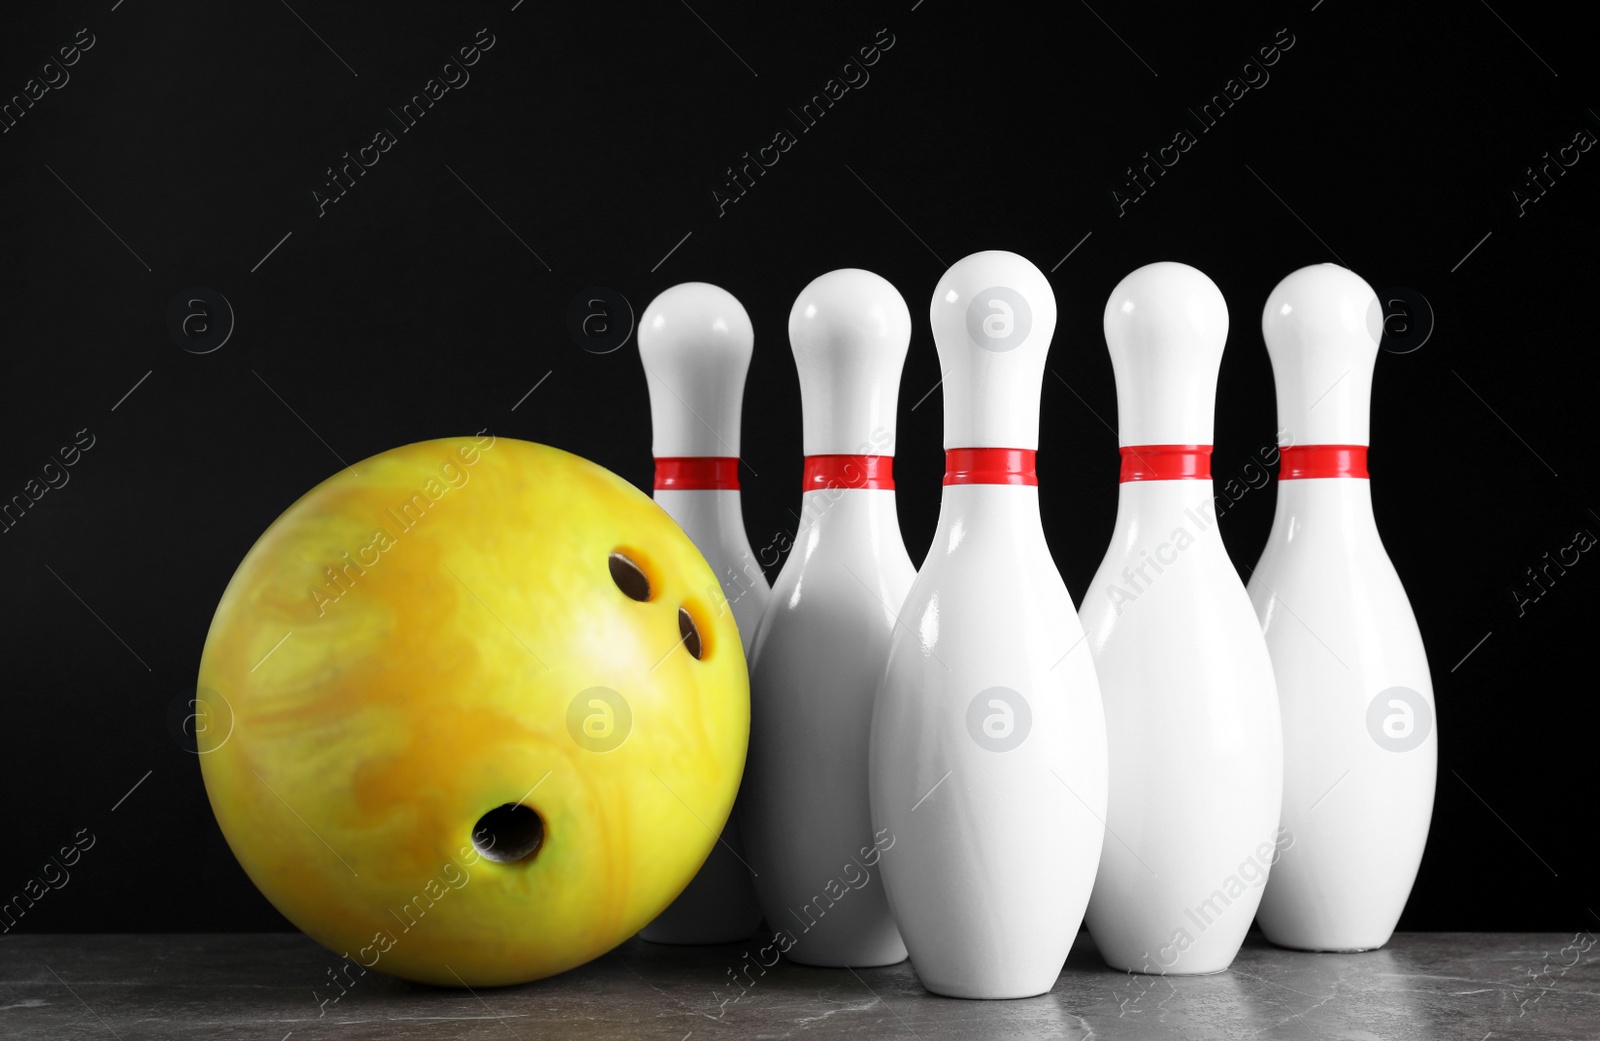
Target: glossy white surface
[
  {"x": 1322, "y": 325},
  {"x": 1195, "y": 738},
  {"x": 821, "y": 645},
  {"x": 1165, "y": 327},
  {"x": 988, "y": 760},
  {"x": 1196, "y": 744},
  {"x": 849, "y": 330},
  {"x": 817, "y": 659},
  {"x": 1360, "y": 731},
  {"x": 1001, "y": 310},
  {"x": 696, "y": 341}
]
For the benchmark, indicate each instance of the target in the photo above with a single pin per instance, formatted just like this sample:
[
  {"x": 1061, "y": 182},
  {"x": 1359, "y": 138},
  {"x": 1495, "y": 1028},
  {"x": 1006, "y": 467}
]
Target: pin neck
[
  {"x": 990, "y": 466},
  {"x": 1166, "y": 463},
  {"x": 696, "y": 473},
  {"x": 873, "y": 472},
  {"x": 1309, "y": 461}
]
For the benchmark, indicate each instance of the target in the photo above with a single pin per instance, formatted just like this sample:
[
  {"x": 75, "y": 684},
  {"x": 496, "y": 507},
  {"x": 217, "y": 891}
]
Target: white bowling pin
[
  {"x": 1360, "y": 739},
  {"x": 988, "y": 759},
  {"x": 1191, "y": 707},
  {"x": 822, "y": 644},
  {"x": 695, "y": 341}
]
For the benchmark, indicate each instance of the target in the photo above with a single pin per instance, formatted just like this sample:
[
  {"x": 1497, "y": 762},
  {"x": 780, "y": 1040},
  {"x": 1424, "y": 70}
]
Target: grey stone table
[{"x": 271, "y": 987}]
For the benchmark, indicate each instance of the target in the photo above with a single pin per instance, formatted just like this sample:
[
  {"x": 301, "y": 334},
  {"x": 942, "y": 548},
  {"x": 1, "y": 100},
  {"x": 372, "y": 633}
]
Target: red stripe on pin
[
  {"x": 696, "y": 473},
  {"x": 990, "y": 466},
  {"x": 1305, "y": 461},
  {"x": 1166, "y": 463},
  {"x": 848, "y": 471}
]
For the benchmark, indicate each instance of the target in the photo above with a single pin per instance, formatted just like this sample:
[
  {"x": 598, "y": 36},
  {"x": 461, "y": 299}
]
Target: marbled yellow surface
[{"x": 398, "y": 654}]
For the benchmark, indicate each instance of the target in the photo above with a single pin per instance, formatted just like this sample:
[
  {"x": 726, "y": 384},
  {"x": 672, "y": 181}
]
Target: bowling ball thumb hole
[{"x": 509, "y": 833}]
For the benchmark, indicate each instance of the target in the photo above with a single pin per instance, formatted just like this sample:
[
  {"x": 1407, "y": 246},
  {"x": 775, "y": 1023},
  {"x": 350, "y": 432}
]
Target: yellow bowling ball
[{"x": 474, "y": 711}]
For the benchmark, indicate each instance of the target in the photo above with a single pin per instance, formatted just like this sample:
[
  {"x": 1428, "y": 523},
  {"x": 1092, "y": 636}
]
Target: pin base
[
  {"x": 1171, "y": 972},
  {"x": 967, "y": 995},
  {"x": 1325, "y": 950}
]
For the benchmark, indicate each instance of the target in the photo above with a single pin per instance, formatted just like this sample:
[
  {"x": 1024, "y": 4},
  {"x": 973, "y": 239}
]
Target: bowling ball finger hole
[
  {"x": 509, "y": 833},
  {"x": 690, "y": 633},
  {"x": 629, "y": 576}
]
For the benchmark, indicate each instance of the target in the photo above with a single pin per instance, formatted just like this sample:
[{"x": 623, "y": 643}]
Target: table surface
[{"x": 270, "y": 986}]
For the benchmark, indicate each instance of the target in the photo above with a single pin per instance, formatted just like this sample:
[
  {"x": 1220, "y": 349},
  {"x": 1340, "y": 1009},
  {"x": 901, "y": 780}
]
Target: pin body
[
  {"x": 822, "y": 643},
  {"x": 1191, "y": 706},
  {"x": 695, "y": 341},
  {"x": 988, "y": 762},
  {"x": 1360, "y": 740}
]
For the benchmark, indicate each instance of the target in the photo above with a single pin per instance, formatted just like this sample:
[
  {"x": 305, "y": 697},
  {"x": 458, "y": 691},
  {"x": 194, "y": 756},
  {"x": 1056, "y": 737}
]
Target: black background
[{"x": 590, "y": 139}]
